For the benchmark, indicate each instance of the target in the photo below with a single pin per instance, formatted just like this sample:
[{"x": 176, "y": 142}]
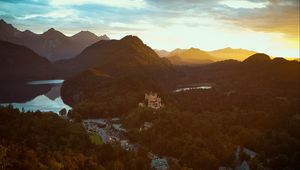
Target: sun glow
[{"x": 270, "y": 27}]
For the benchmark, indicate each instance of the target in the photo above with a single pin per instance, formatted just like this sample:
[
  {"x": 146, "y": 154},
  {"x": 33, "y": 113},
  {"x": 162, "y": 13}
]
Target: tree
[{"x": 63, "y": 112}]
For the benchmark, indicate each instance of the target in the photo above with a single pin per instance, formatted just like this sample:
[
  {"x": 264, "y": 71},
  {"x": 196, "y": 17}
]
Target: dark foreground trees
[{"x": 45, "y": 141}]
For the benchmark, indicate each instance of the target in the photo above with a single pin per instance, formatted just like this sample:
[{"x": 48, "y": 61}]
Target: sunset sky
[{"x": 269, "y": 26}]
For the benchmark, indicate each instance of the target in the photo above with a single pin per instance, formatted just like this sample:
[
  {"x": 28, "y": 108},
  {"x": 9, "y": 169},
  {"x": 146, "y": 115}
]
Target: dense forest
[
  {"x": 253, "y": 104},
  {"x": 207, "y": 126},
  {"x": 35, "y": 140}
]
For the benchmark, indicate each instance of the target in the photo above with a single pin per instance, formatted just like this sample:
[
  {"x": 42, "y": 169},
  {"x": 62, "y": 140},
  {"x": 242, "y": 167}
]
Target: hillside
[
  {"x": 126, "y": 68},
  {"x": 256, "y": 74},
  {"x": 116, "y": 57},
  {"x": 19, "y": 63},
  {"x": 35, "y": 140}
]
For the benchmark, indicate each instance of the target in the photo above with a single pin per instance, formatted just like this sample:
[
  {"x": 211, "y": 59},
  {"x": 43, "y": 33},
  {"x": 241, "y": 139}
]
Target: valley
[{"x": 117, "y": 104}]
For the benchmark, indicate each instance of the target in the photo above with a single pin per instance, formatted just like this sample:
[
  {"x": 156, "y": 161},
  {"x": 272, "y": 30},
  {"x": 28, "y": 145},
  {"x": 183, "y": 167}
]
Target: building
[
  {"x": 249, "y": 152},
  {"x": 159, "y": 164},
  {"x": 243, "y": 165},
  {"x": 146, "y": 126},
  {"x": 118, "y": 127},
  {"x": 153, "y": 101}
]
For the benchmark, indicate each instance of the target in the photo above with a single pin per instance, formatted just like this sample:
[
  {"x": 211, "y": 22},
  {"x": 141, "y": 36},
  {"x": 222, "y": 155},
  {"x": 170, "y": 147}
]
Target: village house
[
  {"x": 249, "y": 152},
  {"x": 146, "y": 126},
  {"x": 160, "y": 164},
  {"x": 244, "y": 164}
]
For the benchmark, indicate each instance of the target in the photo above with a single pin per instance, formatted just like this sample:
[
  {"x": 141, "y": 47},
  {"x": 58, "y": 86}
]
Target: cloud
[
  {"x": 57, "y": 14},
  {"x": 111, "y": 3},
  {"x": 243, "y": 4},
  {"x": 277, "y": 17},
  {"x": 158, "y": 19}
]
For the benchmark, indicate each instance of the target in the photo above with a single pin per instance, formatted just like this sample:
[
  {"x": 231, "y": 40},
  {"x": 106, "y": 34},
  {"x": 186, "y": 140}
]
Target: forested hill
[
  {"x": 41, "y": 141},
  {"x": 116, "y": 57},
  {"x": 20, "y": 63}
]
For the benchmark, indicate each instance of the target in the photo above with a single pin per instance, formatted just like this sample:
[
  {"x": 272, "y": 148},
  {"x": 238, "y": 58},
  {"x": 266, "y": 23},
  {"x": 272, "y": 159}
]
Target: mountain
[
  {"x": 52, "y": 44},
  {"x": 86, "y": 38},
  {"x": 230, "y": 53},
  {"x": 176, "y": 52},
  {"x": 192, "y": 56},
  {"x": 126, "y": 68},
  {"x": 162, "y": 53},
  {"x": 8, "y": 32},
  {"x": 20, "y": 63},
  {"x": 258, "y": 58},
  {"x": 114, "y": 56},
  {"x": 11, "y": 34}
]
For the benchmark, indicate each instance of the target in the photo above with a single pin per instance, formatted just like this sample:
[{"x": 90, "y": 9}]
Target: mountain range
[
  {"x": 195, "y": 56},
  {"x": 192, "y": 56},
  {"x": 230, "y": 53},
  {"x": 52, "y": 44}
]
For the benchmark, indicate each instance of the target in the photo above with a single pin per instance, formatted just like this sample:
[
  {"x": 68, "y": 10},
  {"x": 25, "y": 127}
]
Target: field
[{"x": 95, "y": 138}]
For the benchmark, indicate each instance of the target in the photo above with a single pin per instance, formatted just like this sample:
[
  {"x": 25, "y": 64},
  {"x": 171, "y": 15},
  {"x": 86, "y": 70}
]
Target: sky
[{"x": 268, "y": 26}]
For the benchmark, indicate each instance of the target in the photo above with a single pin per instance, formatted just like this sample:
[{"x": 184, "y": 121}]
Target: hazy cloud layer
[{"x": 116, "y": 17}]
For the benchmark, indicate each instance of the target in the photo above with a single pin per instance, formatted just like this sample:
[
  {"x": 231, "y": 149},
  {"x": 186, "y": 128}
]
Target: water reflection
[
  {"x": 20, "y": 92},
  {"x": 47, "y": 82},
  {"x": 36, "y": 95}
]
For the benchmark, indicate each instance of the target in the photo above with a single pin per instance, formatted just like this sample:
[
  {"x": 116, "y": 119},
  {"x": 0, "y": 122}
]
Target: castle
[{"x": 153, "y": 101}]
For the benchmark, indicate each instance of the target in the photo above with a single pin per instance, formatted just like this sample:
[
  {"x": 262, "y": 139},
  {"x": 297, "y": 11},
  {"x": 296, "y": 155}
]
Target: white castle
[{"x": 153, "y": 101}]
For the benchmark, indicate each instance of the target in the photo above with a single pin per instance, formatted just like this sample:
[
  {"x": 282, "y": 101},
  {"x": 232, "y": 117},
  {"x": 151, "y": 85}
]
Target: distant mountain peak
[
  {"x": 195, "y": 49},
  {"x": 104, "y": 37},
  {"x": 28, "y": 32},
  {"x": 86, "y": 33},
  {"x": 87, "y": 38},
  {"x": 2, "y": 21},
  {"x": 4, "y": 24},
  {"x": 132, "y": 38},
  {"x": 232, "y": 53},
  {"x": 258, "y": 58},
  {"x": 279, "y": 60},
  {"x": 53, "y": 33},
  {"x": 51, "y": 30}
]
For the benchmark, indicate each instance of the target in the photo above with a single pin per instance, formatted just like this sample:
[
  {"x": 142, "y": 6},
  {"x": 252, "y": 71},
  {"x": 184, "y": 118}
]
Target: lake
[
  {"x": 206, "y": 87},
  {"x": 43, "y": 95}
]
